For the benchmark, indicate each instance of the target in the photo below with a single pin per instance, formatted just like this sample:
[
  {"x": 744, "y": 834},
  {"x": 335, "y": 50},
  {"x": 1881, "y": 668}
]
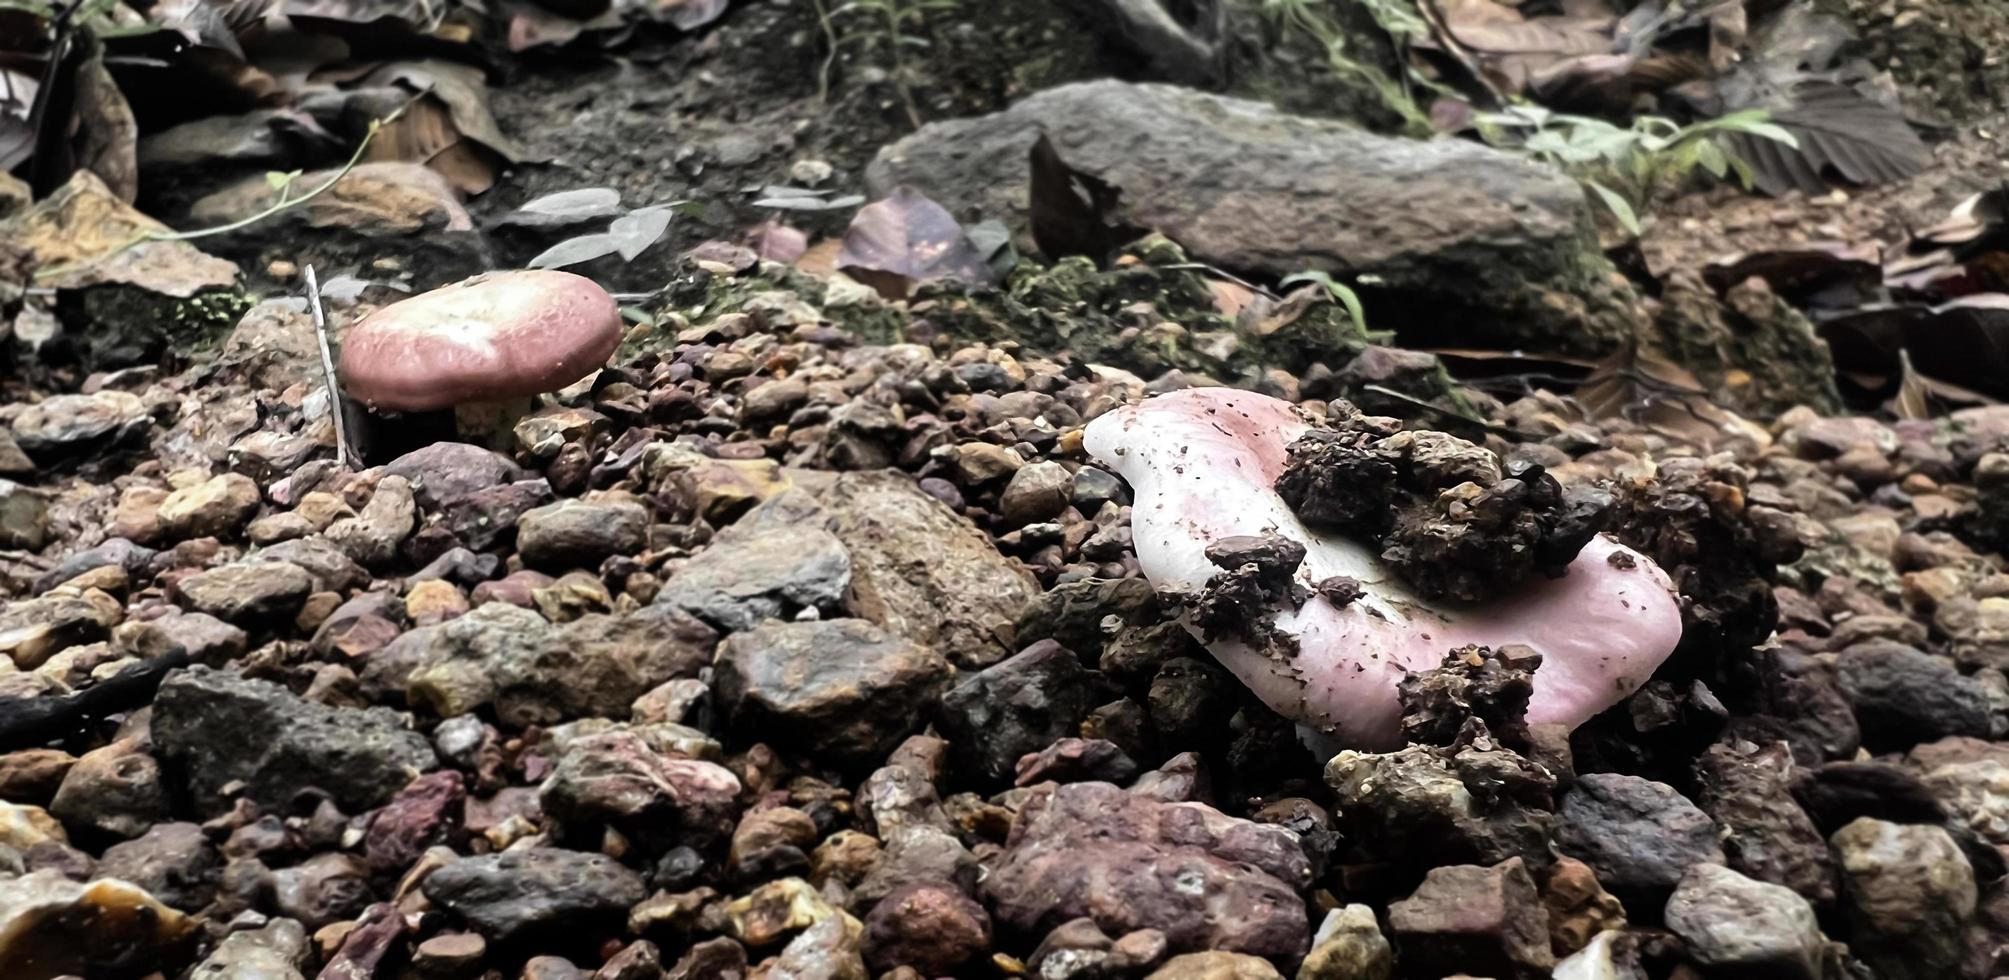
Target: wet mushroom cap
[{"x": 495, "y": 336}]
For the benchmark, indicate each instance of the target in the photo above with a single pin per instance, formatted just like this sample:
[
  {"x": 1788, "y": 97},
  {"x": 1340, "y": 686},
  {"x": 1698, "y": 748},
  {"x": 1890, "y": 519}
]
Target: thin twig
[
  {"x": 1498, "y": 430},
  {"x": 342, "y": 453}
]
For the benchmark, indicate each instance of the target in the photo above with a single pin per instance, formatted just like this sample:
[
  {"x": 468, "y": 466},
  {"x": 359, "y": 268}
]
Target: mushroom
[
  {"x": 481, "y": 348},
  {"x": 1203, "y": 464}
]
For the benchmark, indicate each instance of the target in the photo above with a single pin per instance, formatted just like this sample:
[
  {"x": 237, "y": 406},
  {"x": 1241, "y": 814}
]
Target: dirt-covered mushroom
[
  {"x": 1203, "y": 464},
  {"x": 495, "y": 339}
]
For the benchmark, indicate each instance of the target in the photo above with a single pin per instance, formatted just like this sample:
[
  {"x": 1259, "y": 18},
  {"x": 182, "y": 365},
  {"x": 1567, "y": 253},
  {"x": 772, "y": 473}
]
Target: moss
[{"x": 120, "y": 326}]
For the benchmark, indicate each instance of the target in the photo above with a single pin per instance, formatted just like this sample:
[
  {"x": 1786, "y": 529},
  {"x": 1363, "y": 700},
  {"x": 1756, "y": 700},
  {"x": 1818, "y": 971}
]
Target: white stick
[{"x": 328, "y": 371}]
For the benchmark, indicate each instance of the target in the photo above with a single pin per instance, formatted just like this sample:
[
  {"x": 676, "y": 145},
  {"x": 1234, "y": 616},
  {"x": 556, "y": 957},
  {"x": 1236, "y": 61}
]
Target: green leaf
[
  {"x": 1339, "y": 291},
  {"x": 1712, "y": 158},
  {"x": 280, "y": 181},
  {"x": 1620, "y": 207}
]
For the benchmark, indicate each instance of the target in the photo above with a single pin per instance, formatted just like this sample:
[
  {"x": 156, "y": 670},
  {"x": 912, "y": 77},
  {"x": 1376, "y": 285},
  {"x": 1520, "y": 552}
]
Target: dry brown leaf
[
  {"x": 1645, "y": 386},
  {"x": 107, "y": 139},
  {"x": 820, "y": 259},
  {"x": 83, "y": 233},
  {"x": 906, "y": 239}
]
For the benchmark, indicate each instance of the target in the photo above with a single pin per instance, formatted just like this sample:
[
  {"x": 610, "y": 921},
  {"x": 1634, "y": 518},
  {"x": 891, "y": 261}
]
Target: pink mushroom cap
[
  {"x": 1202, "y": 464},
  {"x": 495, "y": 336}
]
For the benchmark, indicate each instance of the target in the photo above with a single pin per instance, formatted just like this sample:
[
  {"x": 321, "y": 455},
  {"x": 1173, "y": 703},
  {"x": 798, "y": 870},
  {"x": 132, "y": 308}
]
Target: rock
[
  {"x": 1908, "y": 892},
  {"x": 1744, "y": 927},
  {"x": 1903, "y": 697},
  {"x": 541, "y": 891},
  {"x": 1037, "y": 492},
  {"x": 914, "y": 854},
  {"x": 1349, "y": 946},
  {"x": 828, "y": 950},
  {"x": 333, "y": 571},
  {"x": 930, "y": 926},
  {"x": 1216, "y": 965},
  {"x": 842, "y": 690},
  {"x": 377, "y": 936},
  {"x": 771, "y": 843},
  {"x": 213, "y": 728},
  {"x": 33, "y": 631},
  {"x": 1638, "y": 835},
  {"x": 1579, "y": 908},
  {"x": 324, "y": 889},
  {"x": 65, "y": 423},
  {"x": 113, "y": 791},
  {"x": 1971, "y": 778},
  {"x": 581, "y": 533},
  {"x": 1748, "y": 793},
  {"x": 639, "y": 960},
  {"x": 1262, "y": 191},
  {"x": 275, "y": 951},
  {"x": 1206, "y": 880},
  {"x": 535, "y": 673},
  {"x": 51, "y": 926},
  {"x": 1418, "y": 802},
  {"x": 447, "y": 471},
  {"x": 215, "y": 508},
  {"x": 983, "y": 462},
  {"x": 174, "y": 862},
  {"x": 371, "y": 538},
  {"x": 713, "y": 959},
  {"x": 32, "y": 775},
  {"x": 923, "y": 572},
  {"x": 616, "y": 779},
  {"x": 248, "y": 593},
  {"x": 1074, "y": 760},
  {"x": 773, "y": 911},
  {"x": 24, "y": 517},
  {"x": 423, "y": 814},
  {"x": 1001, "y": 713},
  {"x": 23, "y": 826},
  {"x": 1074, "y": 613},
  {"x": 1468, "y": 917},
  {"x": 747, "y": 575},
  {"x": 452, "y": 954}
]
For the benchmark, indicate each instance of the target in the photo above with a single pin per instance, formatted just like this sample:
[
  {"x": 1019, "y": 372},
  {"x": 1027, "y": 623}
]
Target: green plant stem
[
  {"x": 284, "y": 203},
  {"x": 893, "y": 37},
  {"x": 831, "y": 42}
]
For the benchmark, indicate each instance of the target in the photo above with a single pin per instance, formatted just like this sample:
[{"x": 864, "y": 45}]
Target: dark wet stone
[
  {"x": 542, "y": 891},
  {"x": 214, "y": 728}
]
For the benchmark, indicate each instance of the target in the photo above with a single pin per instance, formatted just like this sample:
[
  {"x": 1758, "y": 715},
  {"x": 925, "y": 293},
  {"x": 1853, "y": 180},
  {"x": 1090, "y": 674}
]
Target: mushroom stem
[
  {"x": 490, "y": 423},
  {"x": 380, "y": 437}
]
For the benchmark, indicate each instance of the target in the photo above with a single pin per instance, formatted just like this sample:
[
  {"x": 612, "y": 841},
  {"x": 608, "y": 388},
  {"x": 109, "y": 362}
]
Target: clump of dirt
[
  {"x": 1473, "y": 682},
  {"x": 1442, "y": 511},
  {"x": 1721, "y": 548},
  {"x": 1257, "y": 578}
]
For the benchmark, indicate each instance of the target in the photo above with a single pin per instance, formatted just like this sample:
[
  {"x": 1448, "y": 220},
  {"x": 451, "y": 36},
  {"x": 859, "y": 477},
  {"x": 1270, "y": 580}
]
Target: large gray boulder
[{"x": 1452, "y": 228}]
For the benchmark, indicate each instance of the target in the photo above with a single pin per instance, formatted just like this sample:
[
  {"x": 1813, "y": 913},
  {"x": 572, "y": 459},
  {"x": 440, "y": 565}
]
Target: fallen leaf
[
  {"x": 1964, "y": 343},
  {"x": 1826, "y": 274},
  {"x": 907, "y": 239},
  {"x": 777, "y": 242},
  {"x": 565, "y": 208},
  {"x": 107, "y": 137},
  {"x": 1840, "y": 131},
  {"x": 82, "y": 235},
  {"x": 17, "y": 137},
  {"x": 1071, "y": 211},
  {"x": 635, "y": 231},
  {"x": 572, "y": 251},
  {"x": 1645, "y": 386}
]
